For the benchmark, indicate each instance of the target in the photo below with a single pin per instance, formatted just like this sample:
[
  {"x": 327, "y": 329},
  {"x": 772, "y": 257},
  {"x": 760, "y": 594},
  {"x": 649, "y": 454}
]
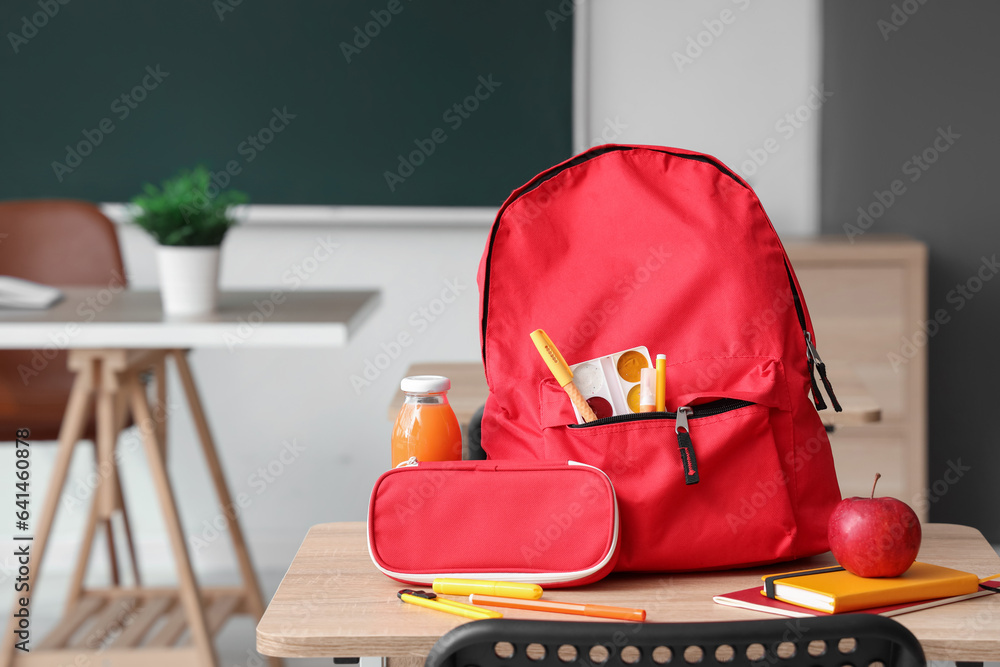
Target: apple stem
[{"x": 877, "y": 476}]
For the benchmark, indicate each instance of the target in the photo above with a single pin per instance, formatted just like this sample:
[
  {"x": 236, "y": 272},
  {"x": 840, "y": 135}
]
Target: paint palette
[{"x": 611, "y": 383}]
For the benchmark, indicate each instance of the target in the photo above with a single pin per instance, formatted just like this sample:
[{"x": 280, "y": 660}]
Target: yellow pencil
[
  {"x": 467, "y": 607},
  {"x": 449, "y": 607}
]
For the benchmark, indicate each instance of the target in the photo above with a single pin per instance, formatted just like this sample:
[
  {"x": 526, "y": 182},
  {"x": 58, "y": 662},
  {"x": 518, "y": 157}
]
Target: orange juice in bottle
[{"x": 426, "y": 427}]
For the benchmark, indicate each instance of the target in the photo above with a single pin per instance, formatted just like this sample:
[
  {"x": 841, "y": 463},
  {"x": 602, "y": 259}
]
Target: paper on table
[{"x": 20, "y": 293}]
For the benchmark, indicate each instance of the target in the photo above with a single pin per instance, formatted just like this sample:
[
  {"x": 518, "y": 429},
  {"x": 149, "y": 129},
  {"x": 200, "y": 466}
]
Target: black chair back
[{"x": 858, "y": 640}]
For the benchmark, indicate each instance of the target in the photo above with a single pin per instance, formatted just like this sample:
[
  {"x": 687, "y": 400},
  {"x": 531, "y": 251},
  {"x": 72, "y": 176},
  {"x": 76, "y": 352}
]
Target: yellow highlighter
[
  {"x": 562, "y": 373},
  {"x": 430, "y": 601},
  {"x": 506, "y": 589},
  {"x": 661, "y": 382}
]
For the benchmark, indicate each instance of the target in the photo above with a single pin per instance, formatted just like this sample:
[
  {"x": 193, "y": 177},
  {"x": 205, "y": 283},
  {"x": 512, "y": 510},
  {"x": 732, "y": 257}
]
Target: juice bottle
[{"x": 426, "y": 427}]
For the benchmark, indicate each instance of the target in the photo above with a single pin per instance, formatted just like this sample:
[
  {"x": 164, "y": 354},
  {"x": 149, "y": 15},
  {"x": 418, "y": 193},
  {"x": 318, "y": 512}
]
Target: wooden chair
[{"x": 60, "y": 243}]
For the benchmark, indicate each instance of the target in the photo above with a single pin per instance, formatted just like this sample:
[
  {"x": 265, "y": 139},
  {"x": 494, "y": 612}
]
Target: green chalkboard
[{"x": 389, "y": 102}]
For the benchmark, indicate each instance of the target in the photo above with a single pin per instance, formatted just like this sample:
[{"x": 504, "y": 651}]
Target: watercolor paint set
[{"x": 611, "y": 384}]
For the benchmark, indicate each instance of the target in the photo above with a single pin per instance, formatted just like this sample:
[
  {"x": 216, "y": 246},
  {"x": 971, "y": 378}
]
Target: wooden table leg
[
  {"x": 121, "y": 418},
  {"x": 160, "y": 412},
  {"x": 189, "y": 593},
  {"x": 107, "y": 437},
  {"x": 111, "y": 377},
  {"x": 408, "y": 661},
  {"x": 254, "y": 599},
  {"x": 86, "y": 546},
  {"x": 69, "y": 434}
]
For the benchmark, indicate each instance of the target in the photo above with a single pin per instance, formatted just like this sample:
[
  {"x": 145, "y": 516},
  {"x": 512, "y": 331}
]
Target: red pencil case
[{"x": 543, "y": 522}]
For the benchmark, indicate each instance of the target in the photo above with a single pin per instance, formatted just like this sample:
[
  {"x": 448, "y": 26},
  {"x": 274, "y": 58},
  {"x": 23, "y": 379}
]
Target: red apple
[{"x": 874, "y": 537}]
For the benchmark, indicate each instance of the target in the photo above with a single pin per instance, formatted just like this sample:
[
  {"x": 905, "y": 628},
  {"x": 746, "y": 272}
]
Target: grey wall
[
  {"x": 905, "y": 74},
  {"x": 720, "y": 77}
]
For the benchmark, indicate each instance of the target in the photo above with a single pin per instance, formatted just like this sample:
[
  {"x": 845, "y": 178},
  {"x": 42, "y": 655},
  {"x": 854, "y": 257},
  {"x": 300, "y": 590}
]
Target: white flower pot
[{"x": 189, "y": 279}]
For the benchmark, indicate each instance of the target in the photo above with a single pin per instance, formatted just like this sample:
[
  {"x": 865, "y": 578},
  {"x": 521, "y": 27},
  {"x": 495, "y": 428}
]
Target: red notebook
[{"x": 750, "y": 598}]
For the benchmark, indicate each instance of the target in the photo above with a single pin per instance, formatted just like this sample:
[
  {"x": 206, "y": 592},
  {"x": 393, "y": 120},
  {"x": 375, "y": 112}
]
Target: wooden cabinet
[{"x": 868, "y": 302}]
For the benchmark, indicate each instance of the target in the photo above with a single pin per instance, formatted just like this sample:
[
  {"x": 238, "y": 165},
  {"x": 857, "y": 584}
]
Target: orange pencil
[{"x": 595, "y": 610}]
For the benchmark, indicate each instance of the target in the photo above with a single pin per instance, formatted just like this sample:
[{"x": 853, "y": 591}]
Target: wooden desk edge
[{"x": 401, "y": 648}]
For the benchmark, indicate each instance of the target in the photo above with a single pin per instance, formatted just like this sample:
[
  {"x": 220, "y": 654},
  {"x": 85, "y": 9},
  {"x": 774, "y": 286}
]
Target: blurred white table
[
  {"x": 117, "y": 342},
  {"x": 104, "y": 318}
]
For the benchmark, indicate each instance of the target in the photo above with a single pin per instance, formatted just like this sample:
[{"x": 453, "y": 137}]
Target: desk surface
[
  {"x": 469, "y": 391},
  {"x": 106, "y": 318},
  {"x": 332, "y": 601}
]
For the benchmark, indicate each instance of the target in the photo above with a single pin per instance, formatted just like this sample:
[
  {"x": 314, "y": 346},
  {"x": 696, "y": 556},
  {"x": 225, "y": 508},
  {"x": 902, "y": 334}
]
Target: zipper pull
[
  {"x": 821, "y": 367},
  {"x": 688, "y": 460},
  {"x": 810, "y": 357}
]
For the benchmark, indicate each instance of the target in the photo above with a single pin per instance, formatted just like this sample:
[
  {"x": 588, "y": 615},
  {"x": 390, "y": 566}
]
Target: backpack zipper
[
  {"x": 821, "y": 367},
  {"x": 685, "y": 446},
  {"x": 813, "y": 360},
  {"x": 697, "y": 411}
]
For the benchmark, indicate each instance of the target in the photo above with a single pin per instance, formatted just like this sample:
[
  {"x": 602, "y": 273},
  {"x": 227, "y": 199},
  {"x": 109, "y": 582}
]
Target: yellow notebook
[{"x": 839, "y": 591}]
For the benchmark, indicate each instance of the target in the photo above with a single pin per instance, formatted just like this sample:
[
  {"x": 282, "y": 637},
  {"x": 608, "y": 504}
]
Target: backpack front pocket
[{"x": 710, "y": 496}]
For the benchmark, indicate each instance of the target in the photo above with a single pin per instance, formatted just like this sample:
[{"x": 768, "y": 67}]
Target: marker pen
[
  {"x": 593, "y": 610},
  {"x": 507, "y": 589}
]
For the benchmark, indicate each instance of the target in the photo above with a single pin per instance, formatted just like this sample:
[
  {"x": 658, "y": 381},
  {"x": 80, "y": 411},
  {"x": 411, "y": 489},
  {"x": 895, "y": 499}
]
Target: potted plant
[{"x": 188, "y": 216}]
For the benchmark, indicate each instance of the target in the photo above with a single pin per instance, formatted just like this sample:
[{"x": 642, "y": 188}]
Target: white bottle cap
[{"x": 425, "y": 384}]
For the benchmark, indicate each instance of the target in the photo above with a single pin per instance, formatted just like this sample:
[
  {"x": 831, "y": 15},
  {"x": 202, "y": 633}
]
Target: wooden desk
[
  {"x": 118, "y": 341},
  {"x": 334, "y": 603},
  {"x": 126, "y": 319},
  {"x": 469, "y": 392}
]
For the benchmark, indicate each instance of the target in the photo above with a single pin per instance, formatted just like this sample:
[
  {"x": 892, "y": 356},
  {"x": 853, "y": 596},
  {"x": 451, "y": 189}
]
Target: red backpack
[{"x": 625, "y": 246}]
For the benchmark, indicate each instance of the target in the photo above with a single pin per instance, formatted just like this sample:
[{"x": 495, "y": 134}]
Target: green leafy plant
[{"x": 187, "y": 210}]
